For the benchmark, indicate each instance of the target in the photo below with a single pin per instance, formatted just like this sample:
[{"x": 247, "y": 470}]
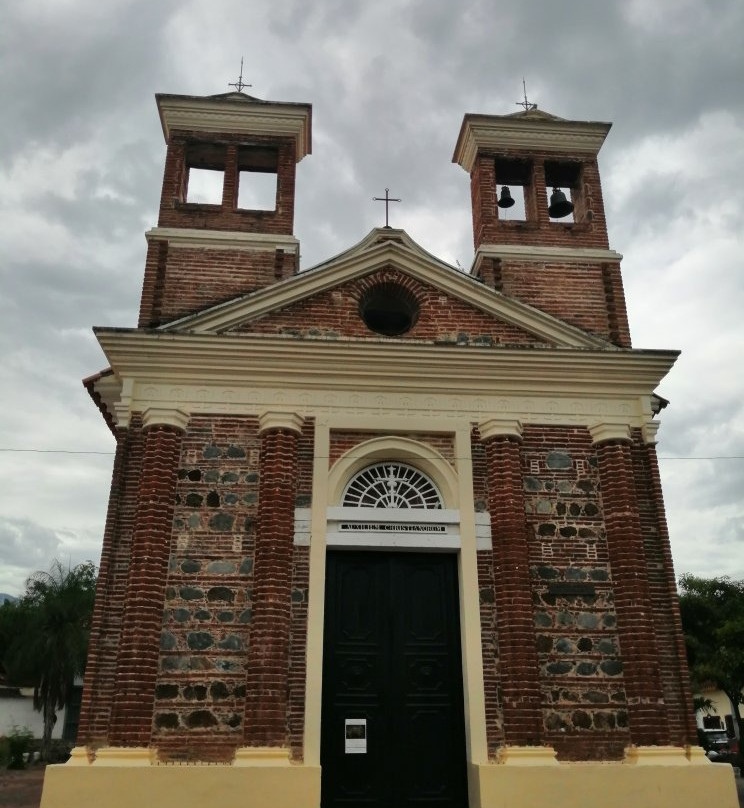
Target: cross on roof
[
  {"x": 239, "y": 84},
  {"x": 528, "y": 105},
  {"x": 387, "y": 199}
]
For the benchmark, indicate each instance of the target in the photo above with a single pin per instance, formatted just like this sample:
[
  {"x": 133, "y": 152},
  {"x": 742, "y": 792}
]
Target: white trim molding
[
  {"x": 188, "y": 238},
  {"x": 289, "y": 421},
  {"x": 494, "y": 133},
  {"x": 237, "y": 113},
  {"x": 609, "y": 430}
]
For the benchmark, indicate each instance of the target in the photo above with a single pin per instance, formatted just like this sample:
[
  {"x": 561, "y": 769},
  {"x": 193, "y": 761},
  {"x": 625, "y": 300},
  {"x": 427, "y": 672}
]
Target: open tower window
[
  {"x": 512, "y": 181},
  {"x": 205, "y": 164},
  {"x": 257, "y": 178},
  {"x": 562, "y": 183}
]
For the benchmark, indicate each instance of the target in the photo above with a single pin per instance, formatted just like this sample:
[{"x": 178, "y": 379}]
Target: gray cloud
[{"x": 81, "y": 154}]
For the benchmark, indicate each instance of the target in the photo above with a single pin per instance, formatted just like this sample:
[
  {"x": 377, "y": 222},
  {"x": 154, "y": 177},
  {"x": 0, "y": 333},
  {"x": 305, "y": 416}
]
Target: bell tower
[
  {"x": 204, "y": 251},
  {"x": 538, "y": 217}
]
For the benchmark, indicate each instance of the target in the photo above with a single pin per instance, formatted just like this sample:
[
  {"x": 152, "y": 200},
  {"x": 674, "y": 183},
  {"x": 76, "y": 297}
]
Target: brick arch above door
[{"x": 393, "y": 448}]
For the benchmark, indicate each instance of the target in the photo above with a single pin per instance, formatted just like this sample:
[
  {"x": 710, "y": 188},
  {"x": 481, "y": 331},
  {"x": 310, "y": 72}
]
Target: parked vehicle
[{"x": 718, "y": 746}]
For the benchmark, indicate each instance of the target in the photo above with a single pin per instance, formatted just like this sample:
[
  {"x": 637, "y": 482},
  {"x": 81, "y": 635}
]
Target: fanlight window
[{"x": 391, "y": 485}]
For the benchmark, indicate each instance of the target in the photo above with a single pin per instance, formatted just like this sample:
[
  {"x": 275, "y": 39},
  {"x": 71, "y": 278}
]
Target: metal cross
[
  {"x": 239, "y": 84},
  {"x": 387, "y": 199},
  {"x": 526, "y": 104}
]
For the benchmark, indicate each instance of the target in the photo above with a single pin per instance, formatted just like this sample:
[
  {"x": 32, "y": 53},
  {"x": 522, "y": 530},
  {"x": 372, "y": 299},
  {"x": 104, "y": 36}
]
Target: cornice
[
  {"x": 237, "y": 115},
  {"x": 494, "y": 133},
  {"x": 541, "y": 254},
  {"x": 222, "y": 240},
  {"x": 232, "y": 313},
  {"x": 392, "y": 365}
]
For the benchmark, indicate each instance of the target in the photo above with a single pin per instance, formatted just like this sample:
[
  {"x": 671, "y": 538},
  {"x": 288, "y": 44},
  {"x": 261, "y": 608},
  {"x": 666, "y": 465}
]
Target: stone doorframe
[{"x": 456, "y": 488}]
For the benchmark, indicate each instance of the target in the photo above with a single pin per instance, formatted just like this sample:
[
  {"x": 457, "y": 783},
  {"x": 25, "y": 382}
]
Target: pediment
[{"x": 389, "y": 255}]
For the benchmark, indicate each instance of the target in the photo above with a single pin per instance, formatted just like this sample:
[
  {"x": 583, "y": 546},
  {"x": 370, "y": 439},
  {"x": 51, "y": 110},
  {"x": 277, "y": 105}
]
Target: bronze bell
[
  {"x": 505, "y": 200},
  {"x": 559, "y": 205}
]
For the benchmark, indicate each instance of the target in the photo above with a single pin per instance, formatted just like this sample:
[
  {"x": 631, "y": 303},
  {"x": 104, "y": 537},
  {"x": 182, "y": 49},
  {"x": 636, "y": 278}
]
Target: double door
[{"x": 392, "y": 714}]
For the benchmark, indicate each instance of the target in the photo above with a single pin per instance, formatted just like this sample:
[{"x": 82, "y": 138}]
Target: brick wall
[
  {"x": 343, "y": 440},
  {"x": 176, "y": 212},
  {"x": 100, "y": 672},
  {"x": 587, "y": 295},
  {"x": 539, "y": 229},
  {"x": 180, "y": 281},
  {"x": 335, "y": 313},
  {"x": 672, "y": 656},
  {"x": 137, "y": 659}
]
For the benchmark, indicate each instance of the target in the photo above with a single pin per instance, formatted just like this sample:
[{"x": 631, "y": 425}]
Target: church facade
[{"x": 383, "y": 532}]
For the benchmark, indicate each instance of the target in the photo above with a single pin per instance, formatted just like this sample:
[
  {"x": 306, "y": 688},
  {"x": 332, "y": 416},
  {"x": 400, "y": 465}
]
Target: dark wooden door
[{"x": 391, "y": 656}]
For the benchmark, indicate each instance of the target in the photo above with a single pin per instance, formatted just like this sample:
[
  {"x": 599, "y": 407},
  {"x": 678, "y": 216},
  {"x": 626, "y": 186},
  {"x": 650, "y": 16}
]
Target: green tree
[
  {"x": 44, "y": 637},
  {"x": 713, "y": 621}
]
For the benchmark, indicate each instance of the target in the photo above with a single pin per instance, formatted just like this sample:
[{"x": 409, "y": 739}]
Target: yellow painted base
[
  {"x": 611, "y": 785},
  {"x": 650, "y": 778},
  {"x": 260, "y": 784}
]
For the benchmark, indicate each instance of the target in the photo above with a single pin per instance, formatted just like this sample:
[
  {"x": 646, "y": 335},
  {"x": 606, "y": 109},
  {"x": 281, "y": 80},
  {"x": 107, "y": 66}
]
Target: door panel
[{"x": 392, "y": 656}]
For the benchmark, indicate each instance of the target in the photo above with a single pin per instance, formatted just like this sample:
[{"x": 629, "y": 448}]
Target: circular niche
[{"x": 389, "y": 309}]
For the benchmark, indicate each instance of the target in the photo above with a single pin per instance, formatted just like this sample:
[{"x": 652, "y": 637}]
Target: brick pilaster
[
  {"x": 140, "y": 638},
  {"x": 520, "y": 684},
  {"x": 681, "y": 715},
  {"x": 94, "y": 672},
  {"x": 646, "y": 714},
  {"x": 267, "y": 677}
]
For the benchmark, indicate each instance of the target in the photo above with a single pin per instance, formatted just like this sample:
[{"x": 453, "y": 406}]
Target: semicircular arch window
[{"x": 391, "y": 485}]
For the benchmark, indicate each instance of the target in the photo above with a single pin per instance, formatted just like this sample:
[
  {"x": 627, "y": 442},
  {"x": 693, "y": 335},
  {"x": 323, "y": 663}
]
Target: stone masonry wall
[
  {"x": 205, "y": 642},
  {"x": 206, "y": 621},
  {"x": 584, "y": 701}
]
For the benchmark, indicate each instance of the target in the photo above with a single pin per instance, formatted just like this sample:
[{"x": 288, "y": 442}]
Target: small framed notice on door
[{"x": 355, "y": 736}]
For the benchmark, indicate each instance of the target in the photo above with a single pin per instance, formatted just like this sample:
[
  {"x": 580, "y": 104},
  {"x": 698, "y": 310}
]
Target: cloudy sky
[{"x": 81, "y": 154}]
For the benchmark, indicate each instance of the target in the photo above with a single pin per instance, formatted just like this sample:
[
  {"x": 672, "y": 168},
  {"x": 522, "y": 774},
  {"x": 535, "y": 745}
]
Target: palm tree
[{"x": 50, "y": 644}]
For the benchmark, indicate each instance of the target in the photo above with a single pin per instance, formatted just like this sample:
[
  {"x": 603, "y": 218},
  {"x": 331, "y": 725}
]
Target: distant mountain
[{"x": 5, "y": 597}]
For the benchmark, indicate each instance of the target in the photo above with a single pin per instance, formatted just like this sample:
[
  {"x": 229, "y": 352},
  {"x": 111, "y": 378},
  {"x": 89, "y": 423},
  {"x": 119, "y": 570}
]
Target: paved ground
[{"x": 23, "y": 789}]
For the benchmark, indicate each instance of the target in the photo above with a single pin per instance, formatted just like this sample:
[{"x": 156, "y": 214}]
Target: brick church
[{"x": 383, "y": 532}]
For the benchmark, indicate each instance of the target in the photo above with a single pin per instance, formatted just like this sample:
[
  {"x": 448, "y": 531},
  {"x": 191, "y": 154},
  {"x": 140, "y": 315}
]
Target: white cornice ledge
[
  {"x": 262, "y": 756},
  {"x": 500, "y": 427},
  {"x": 495, "y": 133},
  {"x": 222, "y": 240},
  {"x": 540, "y": 254},
  {"x": 238, "y": 116},
  {"x": 607, "y": 430},
  {"x": 288, "y": 421},
  {"x": 165, "y": 416},
  {"x": 527, "y": 756}
]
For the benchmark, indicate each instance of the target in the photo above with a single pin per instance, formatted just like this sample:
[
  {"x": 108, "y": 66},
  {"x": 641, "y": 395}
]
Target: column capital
[
  {"x": 289, "y": 421},
  {"x": 165, "y": 416},
  {"x": 607, "y": 430},
  {"x": 649, "y": 430},
  {"x": 500, "y": 428}
]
